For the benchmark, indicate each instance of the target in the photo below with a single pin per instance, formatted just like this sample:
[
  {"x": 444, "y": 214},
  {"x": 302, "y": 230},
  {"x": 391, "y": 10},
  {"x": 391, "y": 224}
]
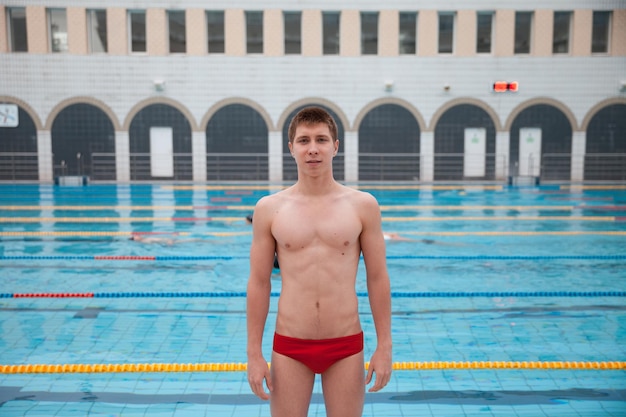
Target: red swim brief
[{"x": 318, "y": 354}]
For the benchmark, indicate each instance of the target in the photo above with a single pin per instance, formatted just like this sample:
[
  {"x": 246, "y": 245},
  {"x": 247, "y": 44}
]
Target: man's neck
[{"x": 316, "y": 185}]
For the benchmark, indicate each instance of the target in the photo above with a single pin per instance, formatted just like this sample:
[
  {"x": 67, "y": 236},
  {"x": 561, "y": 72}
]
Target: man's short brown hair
[{"x": 311, "y": 116}]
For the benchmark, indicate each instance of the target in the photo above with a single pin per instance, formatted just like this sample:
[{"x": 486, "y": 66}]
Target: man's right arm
[{"x": 258, "y": 298}]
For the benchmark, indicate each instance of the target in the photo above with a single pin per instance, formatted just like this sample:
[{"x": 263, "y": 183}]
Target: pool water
[{"x": 487, "y": 273}]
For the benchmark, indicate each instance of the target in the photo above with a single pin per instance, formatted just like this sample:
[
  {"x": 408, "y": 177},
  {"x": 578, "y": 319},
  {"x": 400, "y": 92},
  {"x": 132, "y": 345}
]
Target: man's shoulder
[
  {"x": 360, "y": 196},
  {"x": 271, "y": 199}
]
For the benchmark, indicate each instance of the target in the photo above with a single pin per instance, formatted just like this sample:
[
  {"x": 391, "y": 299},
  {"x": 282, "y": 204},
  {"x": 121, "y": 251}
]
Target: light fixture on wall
[
  {"x": 388, "y": 85},
  {"x": 446, "y": 87},
  {"x": 622, "y": 86},
  {"x": 159, "y": 85}
]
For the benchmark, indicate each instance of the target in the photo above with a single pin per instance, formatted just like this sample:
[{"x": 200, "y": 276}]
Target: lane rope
[
  {"x": 236, "y": 219},
  {"x": 230, "y": 258},
  {"x": 407, "y": 232},
  {"x": 241, "y": 294},
  {"x": 242, "y": 367},
  {"x": 388, "y": 207}
]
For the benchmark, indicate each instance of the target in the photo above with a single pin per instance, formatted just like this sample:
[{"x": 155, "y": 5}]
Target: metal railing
[
  {"x": 605, "y": 166},
  {"x": 103, "y": 167},
  {"x": 24, "y": 166},
  {"x": 389, "y": 166},
  {"x": 237, "y": 166},
  {"x": 465, "y": 167},
  {"x": 140, "y": 168},
  {"x": 19, "y": 166}
]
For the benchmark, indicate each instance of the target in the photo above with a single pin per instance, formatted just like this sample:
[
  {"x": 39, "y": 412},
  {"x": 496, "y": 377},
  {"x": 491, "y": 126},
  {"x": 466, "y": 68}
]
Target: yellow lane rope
[
  {"x": 408, "y": 232},
  {"x": 592, "y": 187},
  {"x": 520, "y": 233},
  {"x": 147, "y": 208},
  {"x": 499, "y": 218},
  {"x": 235, "y": 219},
  {"x": 113, "y": 219},
  {"x": 123, "y": 234},
  {"x": 242, "y": 367},
  {"x": 359, "y": 186}
]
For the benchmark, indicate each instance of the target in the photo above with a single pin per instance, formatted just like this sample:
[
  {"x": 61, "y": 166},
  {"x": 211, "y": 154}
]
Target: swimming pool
[{"x": 493, "y": 285}]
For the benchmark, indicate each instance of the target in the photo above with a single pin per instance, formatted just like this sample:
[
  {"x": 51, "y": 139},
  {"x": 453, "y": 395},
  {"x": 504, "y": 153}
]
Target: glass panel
[
  {"x": 138, "y": 30},
  {"x": 293, "y": 32},
  {"x": 484, "y": 23},
  {"x": 178, "y": 37},
  {"x": 523, "y": 24},
  {"x": 17, "y": 29},
  {"x": 369, "y": 33},
  {"x": 97, "y": 30},
  {"x": 560, "y": 40},
  {"x": 215, "y": 22},
  {"x": 331, "y": 33},
  {"x": 408, "y": 32},
  {"x": 600, "y": 36},
  {"x": 446, "y": 33},
  {"x": 254, "y": 32},
  {"x": 58, "y": 30}
]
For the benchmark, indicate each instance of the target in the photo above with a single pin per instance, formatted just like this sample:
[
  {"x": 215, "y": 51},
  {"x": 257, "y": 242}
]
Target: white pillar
[
  {"x": 351, "y": 156},
  {"x": 122, "y": 156},
  {"x": 44, "y": 151},
  {"x": 503, "y": 150},
  {"x": 275, "y": 155},
  {"x": 46, "y": 201},
  {"x": 427, "y": 152},
  {"x": 198, "y": 156},
  {"x": 579, "y": 146}
]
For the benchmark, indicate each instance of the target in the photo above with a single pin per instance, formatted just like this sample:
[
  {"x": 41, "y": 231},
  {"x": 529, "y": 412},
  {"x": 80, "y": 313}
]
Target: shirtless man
[{"x": 318, "y": 228}]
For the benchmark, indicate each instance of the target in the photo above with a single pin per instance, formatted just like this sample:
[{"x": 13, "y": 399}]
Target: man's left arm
[{"x": 379, "y": 290}]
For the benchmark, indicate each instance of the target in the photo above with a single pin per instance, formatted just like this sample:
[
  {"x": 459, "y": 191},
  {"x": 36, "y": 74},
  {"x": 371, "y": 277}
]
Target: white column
[
  {"x": 46, "y": 201},
  {"x": 275, "y": 155},
  {"x": 198, "y": 156},
  {"x": 351, "y": 156},
  {"x": 122, "y": 156},
  {"x": 503, "y": 150},
  {"x": 124, "y": 202},
  {"x": 579, "y": 146},
  {"x": 427, "y": 152},
  {"x": 44, "y": 150}
]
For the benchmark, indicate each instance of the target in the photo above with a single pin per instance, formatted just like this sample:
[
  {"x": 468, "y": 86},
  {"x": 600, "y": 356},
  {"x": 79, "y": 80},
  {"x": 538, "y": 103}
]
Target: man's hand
[
  {"x": 259, "y": 372},
  {"x": 380, "y": 364}
]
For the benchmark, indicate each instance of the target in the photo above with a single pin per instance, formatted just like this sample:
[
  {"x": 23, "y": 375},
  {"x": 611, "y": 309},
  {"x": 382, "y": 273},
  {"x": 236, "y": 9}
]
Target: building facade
[{"x": 422, "y": 91}]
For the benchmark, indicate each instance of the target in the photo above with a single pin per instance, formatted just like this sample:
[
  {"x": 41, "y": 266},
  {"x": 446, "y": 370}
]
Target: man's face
[{"x": 313, "y": 147}]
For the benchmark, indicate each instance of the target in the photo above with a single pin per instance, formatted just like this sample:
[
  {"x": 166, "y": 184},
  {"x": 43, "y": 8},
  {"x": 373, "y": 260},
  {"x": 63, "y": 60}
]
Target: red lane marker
[
  {"x": 124, "y": 258},
  {"x": 603, "y": 208},
  {"x": 620, "y": 219},
  {"x": 582, "y": 198},
  {"x": 54, "y": 295},
  {"x": 227, "y": 199},
  {"x": 238, "y": 192}
]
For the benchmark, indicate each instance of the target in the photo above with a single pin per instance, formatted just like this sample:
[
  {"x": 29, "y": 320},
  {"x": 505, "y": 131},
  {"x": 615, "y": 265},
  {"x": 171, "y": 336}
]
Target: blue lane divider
[
  {"x": 230, "y": 258},
  {"x": 226, "y": 294}
]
